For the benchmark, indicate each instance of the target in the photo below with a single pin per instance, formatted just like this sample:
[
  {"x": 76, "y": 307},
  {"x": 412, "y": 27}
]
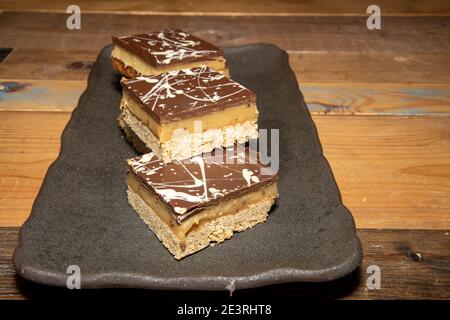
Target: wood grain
[
  {"x": 427, "y": 35},
  {"x": 49, "y": 64},
  {"x": 40, "y": 95},
  {"x": 408, "y": 84},
  {"x": 352, "y": 68},
  {"x": 321, "y": 98},
  {"x": 392, "y": 172},
  {"x": 236, "y": 7},
  {"x": 340, "y": 67},
  {"x": 414, "y": 264},
  {"x": 29, "y": 143},
  {"x": 377, "y": 98},
  {"x": 369, "y": 67}
]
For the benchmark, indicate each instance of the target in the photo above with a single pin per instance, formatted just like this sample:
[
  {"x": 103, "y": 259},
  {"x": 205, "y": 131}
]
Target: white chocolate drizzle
[
  {"x": 187, "y": 185},
  {"x": 192, "y": 89},
  {"x": 173, "y": 44}
]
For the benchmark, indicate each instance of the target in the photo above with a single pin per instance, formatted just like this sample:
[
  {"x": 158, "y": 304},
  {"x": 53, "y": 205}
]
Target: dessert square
[
  {"x": 190, "y": 205},
  {"x": 162, "y": 51},
  {"x": 183, "y": 113}
]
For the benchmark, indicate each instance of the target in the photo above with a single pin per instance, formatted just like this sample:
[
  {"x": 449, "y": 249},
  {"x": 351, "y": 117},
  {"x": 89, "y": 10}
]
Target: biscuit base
[
  {"x": 188, "y": 145},
  {"x": 132, "y": 137},
  {"x": 208, "y": 233}
]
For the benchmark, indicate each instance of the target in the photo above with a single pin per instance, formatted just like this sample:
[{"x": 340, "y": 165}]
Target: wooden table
[{"x": 380, "y": 100}]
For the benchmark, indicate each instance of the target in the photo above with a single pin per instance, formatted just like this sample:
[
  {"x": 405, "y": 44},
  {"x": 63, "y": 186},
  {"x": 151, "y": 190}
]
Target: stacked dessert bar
[
  {"x": 158, "y": 52},
  {"x": 168, "y": 110},
  {"x": 196, "y": 182}
]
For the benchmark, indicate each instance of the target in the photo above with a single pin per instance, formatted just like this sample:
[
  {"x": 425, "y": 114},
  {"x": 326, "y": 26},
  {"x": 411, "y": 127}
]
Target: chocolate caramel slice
[
  {"x": 192, "y": 204},
  {"x": 183, "y": 113},
  {"x": 162, "y": 51}
]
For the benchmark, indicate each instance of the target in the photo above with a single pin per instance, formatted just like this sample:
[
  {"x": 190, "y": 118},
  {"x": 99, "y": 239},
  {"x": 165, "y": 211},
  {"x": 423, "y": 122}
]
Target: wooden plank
[
  {"x": 392, "y": 171},
  {"x": 413, "y": 264},
  {"x": 337, "y": 93},
  {"x": 41, "y": 95},
  {"x": 368, "y": 67},
  {"x": 29, "y": 143},
  {"x": 325, "y": 67},
  {"x": 49, "y": 64},
  {"x": 305, "y": 34},
  {"x": 321, "y": 98},
  {"x": 236, "y": 7},
  {"x": 377, "y": 98}
]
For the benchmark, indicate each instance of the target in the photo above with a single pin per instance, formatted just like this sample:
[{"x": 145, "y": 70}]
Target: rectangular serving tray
[{"x": 81, "y": 216}]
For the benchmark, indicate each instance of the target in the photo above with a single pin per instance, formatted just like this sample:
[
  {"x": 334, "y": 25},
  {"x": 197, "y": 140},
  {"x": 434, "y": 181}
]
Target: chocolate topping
[
  {"x": 189, "y": 187},
  {"x": 181, "y": 94},
  {"x": 168, "y": 47}
]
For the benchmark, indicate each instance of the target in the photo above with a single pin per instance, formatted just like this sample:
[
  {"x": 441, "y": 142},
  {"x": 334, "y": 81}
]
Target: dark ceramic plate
[{"x": 81, "y": 215}]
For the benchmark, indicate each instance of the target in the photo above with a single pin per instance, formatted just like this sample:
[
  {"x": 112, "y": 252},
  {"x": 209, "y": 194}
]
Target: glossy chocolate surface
[
  {"x": 187, "y": 187},
  {"x": 186, "y": 93},
  {"x": 168, "y": 47}
]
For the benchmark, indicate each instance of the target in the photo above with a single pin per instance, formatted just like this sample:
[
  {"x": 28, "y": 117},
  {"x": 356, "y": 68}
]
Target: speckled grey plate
[{"x": 81, "y": 215}]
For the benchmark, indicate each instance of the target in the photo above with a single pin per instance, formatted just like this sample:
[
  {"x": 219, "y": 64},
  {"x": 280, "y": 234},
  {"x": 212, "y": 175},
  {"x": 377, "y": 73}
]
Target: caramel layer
[
  {"x": 131, "y": 60},
  {"x": 216, "y": 120},
  {"x": 227, "y": 207}
]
